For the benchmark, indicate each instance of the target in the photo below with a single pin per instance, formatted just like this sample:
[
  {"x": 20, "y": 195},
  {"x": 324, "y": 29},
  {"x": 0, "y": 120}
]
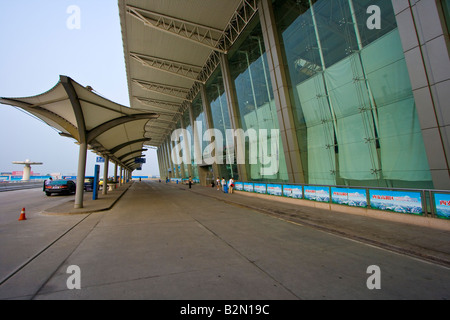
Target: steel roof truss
[
  {"x": 159, "y": 104},
  {"x": 179, "y": 69},
  {"x": 171, "y": 91},
  {"x": 203, "y": 35}
]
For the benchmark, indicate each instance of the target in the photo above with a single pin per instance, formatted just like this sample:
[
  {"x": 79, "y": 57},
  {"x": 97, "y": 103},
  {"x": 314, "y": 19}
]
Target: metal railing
[
  {"x": 19, "y": 185},
  {"x": 423, "y": 202}
]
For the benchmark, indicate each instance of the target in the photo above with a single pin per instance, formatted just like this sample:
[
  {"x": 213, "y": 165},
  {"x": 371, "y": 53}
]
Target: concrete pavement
[{"x": 165, "y": 241}]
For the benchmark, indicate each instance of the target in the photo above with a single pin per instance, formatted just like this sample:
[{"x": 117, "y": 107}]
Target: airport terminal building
[{"x": 356, "y": 92}]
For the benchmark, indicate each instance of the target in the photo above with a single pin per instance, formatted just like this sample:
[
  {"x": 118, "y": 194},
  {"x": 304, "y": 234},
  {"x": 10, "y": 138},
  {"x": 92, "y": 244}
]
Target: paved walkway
[
  {"x": 425, "y": 238},
  {"x": 150, "y": 240}
]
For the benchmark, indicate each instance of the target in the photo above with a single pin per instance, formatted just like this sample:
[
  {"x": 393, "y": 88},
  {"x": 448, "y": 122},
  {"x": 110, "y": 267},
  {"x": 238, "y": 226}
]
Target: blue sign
[
  {"x": 239, "y": 186},
  {"x": 397, "y": 201},
  {"x": 96, "y": 179},
  {"x": 248, "y": 186},
  {"x": 320, "y": 194},
  {"x": 292, "y": 191},
  {"x": 140, "y": 160},
  {"x": 442, "y": 205},
  {"x": 100, "y": 159},
  {"x": 349, "y": 196},
  {"x": 259, "y": 188},
  {"x": 274, "y": 189}
]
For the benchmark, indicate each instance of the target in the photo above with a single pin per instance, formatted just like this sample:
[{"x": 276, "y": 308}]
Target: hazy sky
[{"x": 36, "y": 48}]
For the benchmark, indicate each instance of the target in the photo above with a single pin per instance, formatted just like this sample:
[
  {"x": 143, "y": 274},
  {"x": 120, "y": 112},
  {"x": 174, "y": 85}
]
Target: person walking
[
  {"x": 190, "y": 182},
  {"x": 218, "y": 183},
  {"x": 230, "y": 185},
  {"x": 47, "y": 182}
]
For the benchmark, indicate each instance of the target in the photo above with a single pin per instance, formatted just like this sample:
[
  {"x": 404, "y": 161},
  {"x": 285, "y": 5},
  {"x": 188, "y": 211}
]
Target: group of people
[{"x": 227, "y": 187}]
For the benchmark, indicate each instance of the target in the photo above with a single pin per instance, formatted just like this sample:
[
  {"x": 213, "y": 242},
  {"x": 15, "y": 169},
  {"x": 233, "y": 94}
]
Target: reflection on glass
[
  {"x": 249, "y": 71},
  {"x": 221, "y": 120},
  {"x": 354, "y": 108}
]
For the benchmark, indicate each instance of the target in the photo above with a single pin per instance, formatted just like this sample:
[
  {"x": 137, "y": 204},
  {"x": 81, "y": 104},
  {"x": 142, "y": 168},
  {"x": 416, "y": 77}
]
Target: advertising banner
[
  {"x": 321, "y": 194},
  {"x": 292, "y": 191},
  {"x": 259, "y": 188},
  {"x": 442, "y": 205},
  {"x": 274, "y": 189},
  {"x": 349, "y": 196},
  {"x": 239, "y": 186},
  {"x": 248, "y": 187},
  {"x": 397, "y": 201}
]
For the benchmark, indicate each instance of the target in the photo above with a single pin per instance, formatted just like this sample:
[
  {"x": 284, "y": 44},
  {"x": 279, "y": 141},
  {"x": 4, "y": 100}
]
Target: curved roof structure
[
  {"x": 109, "y": 129},
  {"x": 172, "y": 47}
]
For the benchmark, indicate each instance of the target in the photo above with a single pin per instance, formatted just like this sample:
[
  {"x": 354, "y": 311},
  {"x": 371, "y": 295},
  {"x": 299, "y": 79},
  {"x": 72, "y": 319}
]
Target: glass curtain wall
[
  {"x": 188, "y": 127},
  {"x": 198, "y": 131},
  {"x": 178, "y": 152},
  {"x": 221, "y": 120},
  {"x": 446, "y": 9},
  {"x": 251, "y": 76},
  {"x": 354, "y": 108}
]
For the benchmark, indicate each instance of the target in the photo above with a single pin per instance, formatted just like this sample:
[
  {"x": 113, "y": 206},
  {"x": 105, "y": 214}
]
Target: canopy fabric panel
[{"x": 79, "y": 113}]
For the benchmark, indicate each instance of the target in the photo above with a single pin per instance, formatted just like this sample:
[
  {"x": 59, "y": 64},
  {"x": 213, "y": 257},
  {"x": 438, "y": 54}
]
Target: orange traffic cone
[{"x": 22, "y": 215}]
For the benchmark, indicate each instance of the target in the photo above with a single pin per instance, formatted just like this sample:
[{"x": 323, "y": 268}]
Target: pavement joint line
[
  {"x": 68, "y": 255},
  {"x": 367, "y": 241},
  {"x": 23, "y": 265},
  {"x": 246, "y": 258}
]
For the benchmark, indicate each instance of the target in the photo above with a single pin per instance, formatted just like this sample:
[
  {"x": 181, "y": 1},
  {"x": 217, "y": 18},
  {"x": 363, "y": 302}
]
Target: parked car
[
  {"x": 59, "y": 186},
  {"x": 89, "y": 184}
]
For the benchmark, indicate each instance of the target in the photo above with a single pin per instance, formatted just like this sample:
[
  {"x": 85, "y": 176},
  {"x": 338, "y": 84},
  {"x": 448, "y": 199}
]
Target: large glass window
[
  {"x": 178, "y": 167},
  {"x": 250, "y": 73},
  {"x": 197, "y": 136},
  {"x": 446, "y": 9},
  {"x": 187, "y": 123},
  {"x": 221, "y": 120},
  {"x": 354, "y": 108}
]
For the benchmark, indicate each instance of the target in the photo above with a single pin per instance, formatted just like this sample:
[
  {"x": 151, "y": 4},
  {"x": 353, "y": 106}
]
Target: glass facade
[
  {"x": 446, "y": 9},
  {"x": 179, "y": 168},
  {"x": 221, "y": 120},
  {"x": 187, "y": 125},
  {"x": 257, "y": 111},
  {"x": 200, "y": 128},
  {"x": 354, "y": 108}
]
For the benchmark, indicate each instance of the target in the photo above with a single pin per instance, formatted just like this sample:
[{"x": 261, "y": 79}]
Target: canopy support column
[
  {"x": 105, "y": 175},
  {"x": 80, "y": 176}
]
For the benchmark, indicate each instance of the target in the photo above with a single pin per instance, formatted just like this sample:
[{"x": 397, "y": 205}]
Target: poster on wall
[
  {"x": 239, "y": 186},
  {"x": 274, "y": 189},
  {"x": 259, "y": 188},
  {"x": 248, "y": 187},
  {"x": 397, "y": 201},
  {"x": 442, "y": 205},
  {"x": 316, "y": 193},
  {"x": 349, "y": 196},
  {"x": 292, "y": 191}
]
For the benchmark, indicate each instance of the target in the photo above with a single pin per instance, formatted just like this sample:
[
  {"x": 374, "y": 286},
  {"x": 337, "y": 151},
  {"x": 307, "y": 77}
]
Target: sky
[{"x": 37, "y": 45}]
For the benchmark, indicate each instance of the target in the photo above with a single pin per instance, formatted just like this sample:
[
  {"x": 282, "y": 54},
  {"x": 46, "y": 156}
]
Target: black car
[{"x": 59, "y": 186}]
